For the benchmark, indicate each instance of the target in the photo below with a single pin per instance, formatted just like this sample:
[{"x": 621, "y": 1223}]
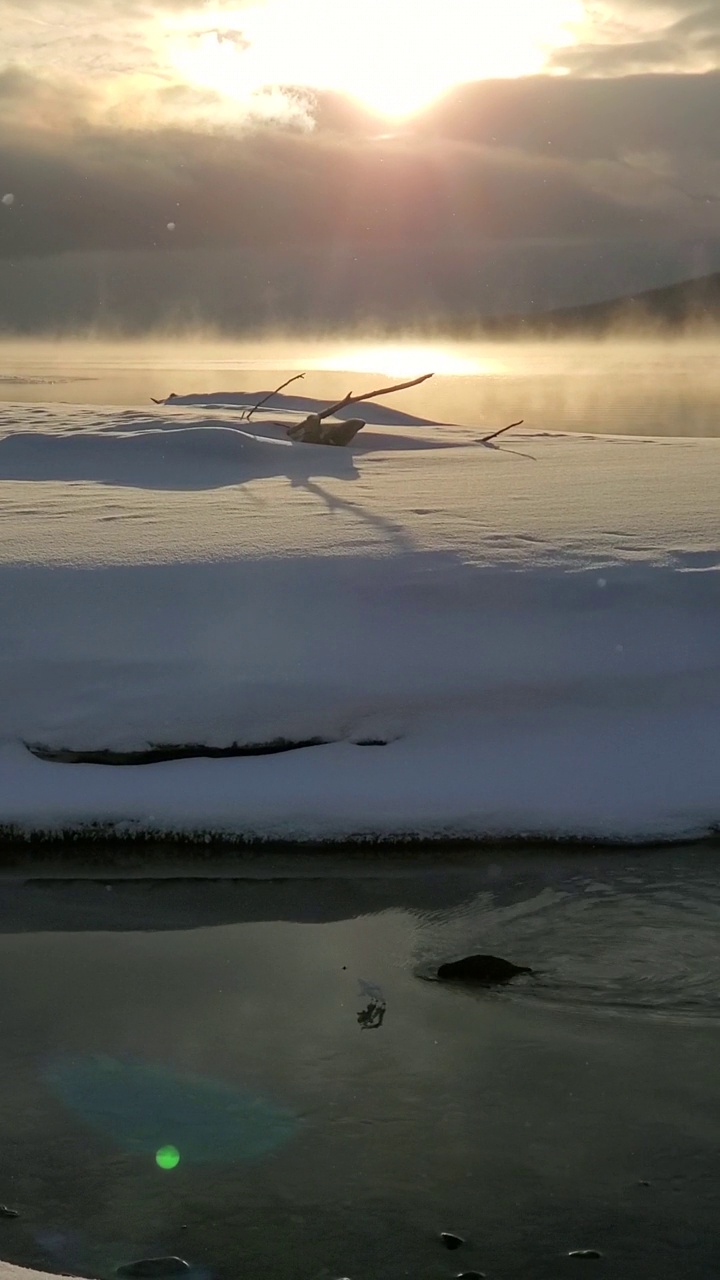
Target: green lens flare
[{"x": 167, "y": 1157}]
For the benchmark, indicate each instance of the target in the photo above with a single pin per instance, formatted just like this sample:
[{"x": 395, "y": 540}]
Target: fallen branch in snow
[
  {"x": 370, "y": 395},
  {"x": 270, "y": 395},
  {"x": 312, "y": 431},
  {"x": 494, "y": 434}
]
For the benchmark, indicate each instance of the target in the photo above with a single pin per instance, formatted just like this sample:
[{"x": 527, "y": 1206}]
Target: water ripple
[{"x": 633, "y": 943}]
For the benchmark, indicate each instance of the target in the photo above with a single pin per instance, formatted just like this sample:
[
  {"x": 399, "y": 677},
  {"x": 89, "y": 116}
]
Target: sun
[{"x": 394, "y": 56}]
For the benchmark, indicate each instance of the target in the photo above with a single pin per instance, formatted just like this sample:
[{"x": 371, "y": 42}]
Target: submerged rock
[
  {"x": 153, "y": 1267},
  {"x": 450, "y": 1240},
  {"x": 484, "y": 970}
]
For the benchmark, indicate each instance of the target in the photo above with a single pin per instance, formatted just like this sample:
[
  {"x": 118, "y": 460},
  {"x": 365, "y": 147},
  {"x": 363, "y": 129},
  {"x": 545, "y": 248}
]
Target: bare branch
[
  {"x": 370, "y": 395},
  {"x": 494, "y": 434},
  {"x": 269, "y": 396}
]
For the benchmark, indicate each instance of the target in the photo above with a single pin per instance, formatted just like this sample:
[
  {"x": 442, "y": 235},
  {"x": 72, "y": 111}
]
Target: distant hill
[{"x": 692, "y": 302}]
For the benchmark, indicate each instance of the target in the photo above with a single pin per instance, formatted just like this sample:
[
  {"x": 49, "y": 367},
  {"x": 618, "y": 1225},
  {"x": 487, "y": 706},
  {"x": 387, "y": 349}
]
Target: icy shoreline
[
  {"x": 8, "y": 1271},
  {"x": 530, "y": 630}
]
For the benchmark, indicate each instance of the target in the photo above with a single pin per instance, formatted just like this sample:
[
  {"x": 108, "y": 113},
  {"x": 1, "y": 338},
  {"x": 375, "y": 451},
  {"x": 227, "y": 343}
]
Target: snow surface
[
  {"x": 8, "y": 1271},
  {"x": 532, "y": 627}
]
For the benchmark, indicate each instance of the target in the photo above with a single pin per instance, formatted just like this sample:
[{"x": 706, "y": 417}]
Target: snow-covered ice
[{"x": 531, "y": 628}]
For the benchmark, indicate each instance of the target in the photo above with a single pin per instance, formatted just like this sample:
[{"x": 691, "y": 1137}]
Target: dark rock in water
[
  {"x": 153, "y": 1267},
  {"x": 484, "y": 970},
  {"x": 450, "y": 1240},
  {"x": 584, "y": 1253},
  {"x": 8, "y": 1213}
]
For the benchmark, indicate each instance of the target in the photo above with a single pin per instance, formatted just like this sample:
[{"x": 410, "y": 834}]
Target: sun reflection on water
[{"x": 406, "y": 360}]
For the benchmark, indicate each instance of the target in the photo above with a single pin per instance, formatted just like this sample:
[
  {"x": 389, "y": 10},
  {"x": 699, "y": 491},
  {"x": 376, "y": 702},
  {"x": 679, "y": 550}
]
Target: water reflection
[
  {"x": 527, "y": 1120},
  {"x": 412, "y": 358},
  {"x": 372, "y": 1016}
]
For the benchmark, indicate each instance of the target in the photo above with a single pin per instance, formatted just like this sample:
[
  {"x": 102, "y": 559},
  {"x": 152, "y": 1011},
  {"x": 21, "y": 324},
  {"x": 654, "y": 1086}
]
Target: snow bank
[
  {"x": 8, "y": 1271},
  {"x": 298, "y": 405},
  {"x": 529, "y": 629}
]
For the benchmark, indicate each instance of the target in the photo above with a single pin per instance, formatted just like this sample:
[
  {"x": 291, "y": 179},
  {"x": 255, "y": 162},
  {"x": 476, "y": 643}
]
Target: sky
[{"x": 343, "y": 158}]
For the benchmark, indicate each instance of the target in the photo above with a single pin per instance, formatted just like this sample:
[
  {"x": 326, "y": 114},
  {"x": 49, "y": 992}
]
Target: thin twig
[
  {"x": 370, "y": 395},
  {"x": 493, "y": 434},
  {"x": 270, "y": 395}
]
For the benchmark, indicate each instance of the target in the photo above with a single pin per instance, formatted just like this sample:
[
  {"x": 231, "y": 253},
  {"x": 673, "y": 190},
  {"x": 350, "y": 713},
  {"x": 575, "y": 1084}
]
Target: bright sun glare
[
  {"x": 405, "y": 359},
  {"x": 395, "y": 56}
]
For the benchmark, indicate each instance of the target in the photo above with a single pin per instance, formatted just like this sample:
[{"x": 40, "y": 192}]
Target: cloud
[
  {"x": 34, "y": 107},
  {"x": 535, "y": 158},
  {"x": 623, "y": 37},
  {"x": 313, "y": 197},
  {"x": 120, "y": 59},
  {"x": 266, "y": 189},
  {"x": 584, "y": 118}
]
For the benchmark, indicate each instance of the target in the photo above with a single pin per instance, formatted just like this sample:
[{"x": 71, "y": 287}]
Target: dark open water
[{"x": 229, "y": 1019}]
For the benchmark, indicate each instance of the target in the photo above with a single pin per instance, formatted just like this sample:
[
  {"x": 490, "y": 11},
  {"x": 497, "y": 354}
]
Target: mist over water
[{"x": 644, "y": 386}]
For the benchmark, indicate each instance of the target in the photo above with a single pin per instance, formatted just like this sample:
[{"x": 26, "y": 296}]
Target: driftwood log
[{"x": 316, "y": 430}]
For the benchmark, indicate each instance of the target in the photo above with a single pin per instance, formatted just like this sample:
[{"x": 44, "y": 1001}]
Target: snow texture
[
  {"x": 8, "y": 1271},
  {"x": 530, "y": 627}
]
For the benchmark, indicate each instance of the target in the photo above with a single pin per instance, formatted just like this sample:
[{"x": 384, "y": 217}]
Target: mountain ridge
[{"x": 692, "y": 302}]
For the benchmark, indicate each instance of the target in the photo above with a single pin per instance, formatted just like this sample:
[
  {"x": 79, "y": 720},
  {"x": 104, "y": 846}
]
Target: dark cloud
[
  {"x": 504, "y": 196},
  {"x": 621, "y": 59},
  {"x": 584, "y": 119},
  {"x": 538, "y": 158},
  {"x": 34, "y": 107},
  {"x": 103, "y": 192}
]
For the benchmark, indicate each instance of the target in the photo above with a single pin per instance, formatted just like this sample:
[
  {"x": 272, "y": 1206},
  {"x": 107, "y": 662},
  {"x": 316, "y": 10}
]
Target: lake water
[
  {"x": 332, "y": 1110},
  {"x": 638, "y": 387}
]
